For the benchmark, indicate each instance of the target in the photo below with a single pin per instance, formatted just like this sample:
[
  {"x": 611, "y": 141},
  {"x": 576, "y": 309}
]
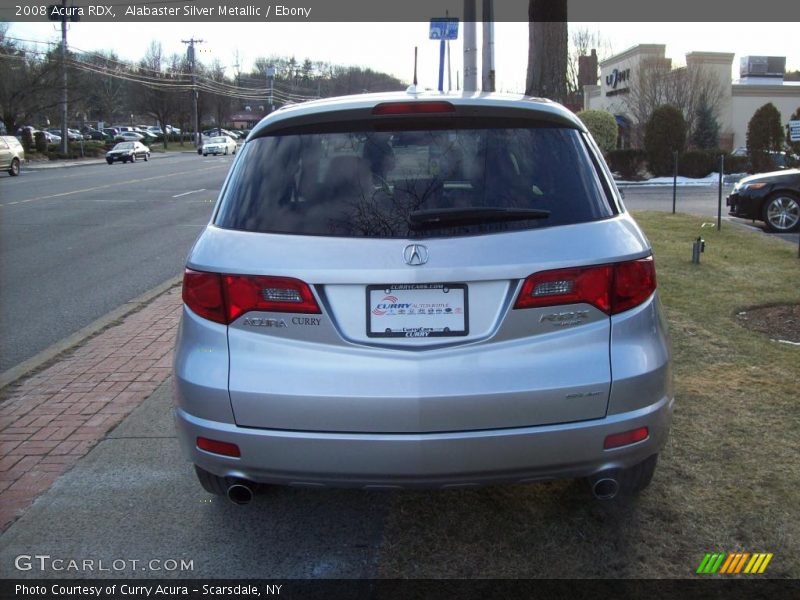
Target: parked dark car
[
  {"x": 770, "y": 197},
  {"x": 127, "y": 151},
  {"x": 94, "y": 134}
]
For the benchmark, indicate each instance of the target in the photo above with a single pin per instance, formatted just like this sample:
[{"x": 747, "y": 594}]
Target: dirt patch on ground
[{"x": 778, "y": 322}]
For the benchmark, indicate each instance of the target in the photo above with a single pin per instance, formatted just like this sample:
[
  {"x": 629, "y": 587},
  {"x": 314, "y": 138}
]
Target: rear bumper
[{"x": 453, "y": 459}]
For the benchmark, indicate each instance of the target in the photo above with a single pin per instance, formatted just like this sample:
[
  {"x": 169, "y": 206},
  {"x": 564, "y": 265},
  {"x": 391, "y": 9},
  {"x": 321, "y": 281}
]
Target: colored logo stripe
[{"x": 734, "y": 563}]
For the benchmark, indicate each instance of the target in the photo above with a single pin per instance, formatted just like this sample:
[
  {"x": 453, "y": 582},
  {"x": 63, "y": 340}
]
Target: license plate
[{"x": 417, "y": 310}]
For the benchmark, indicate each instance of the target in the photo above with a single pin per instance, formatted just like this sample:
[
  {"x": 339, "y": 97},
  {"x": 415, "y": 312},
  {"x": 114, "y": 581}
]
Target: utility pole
[
  {"x": 64, "y": 127},
  {"x": 487, "y": 62},
  {"x": 56, "y": 14},
  {"x": 190, "y": 54},
  {"x": 470, "y": 47},
  {"x": 271, "y": 83}
]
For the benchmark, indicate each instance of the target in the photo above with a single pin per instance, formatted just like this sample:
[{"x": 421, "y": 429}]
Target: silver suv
[{"x": 402, "y": 290}]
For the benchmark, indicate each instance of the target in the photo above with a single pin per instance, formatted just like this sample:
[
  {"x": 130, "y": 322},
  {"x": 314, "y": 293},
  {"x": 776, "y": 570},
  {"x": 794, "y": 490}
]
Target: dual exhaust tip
[
  {"x": 240, "y": 492},
  {"x": 605, "y": 487}
]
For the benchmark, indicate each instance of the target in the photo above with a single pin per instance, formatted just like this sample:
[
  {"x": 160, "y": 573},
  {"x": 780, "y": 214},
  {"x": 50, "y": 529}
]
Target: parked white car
[
  {"x": 128, "y": 136},
  {"x": 222, "y": 144}
]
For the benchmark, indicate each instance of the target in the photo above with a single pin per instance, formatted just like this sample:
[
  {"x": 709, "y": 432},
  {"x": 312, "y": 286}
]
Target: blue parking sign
[{"x": 444, "y": 29}]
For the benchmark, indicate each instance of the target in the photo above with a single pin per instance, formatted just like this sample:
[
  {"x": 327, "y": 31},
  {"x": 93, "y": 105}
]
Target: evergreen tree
[
  {"x": 764, "y": 135},
  {"x": 706, "y": 133}
]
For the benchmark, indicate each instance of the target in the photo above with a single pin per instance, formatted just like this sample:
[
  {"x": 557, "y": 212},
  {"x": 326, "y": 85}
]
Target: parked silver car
[{"x": 402, "y": 290}]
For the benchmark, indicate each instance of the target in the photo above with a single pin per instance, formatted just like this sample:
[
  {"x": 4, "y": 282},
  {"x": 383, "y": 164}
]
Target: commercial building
[{"x": 626, "y": 80}]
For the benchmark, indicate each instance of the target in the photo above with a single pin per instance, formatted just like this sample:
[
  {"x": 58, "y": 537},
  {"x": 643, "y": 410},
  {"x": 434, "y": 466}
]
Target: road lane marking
[
  {"x": 187, "y": 193},
  {"x": 101, "y": 187}
]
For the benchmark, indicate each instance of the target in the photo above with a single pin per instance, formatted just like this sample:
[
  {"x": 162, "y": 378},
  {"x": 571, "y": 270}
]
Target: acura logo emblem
[{"x": 415, "y": 255}]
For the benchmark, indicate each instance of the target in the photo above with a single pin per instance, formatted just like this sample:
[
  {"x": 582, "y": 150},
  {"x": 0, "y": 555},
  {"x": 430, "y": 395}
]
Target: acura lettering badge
[{"x": 415, "y": 255}]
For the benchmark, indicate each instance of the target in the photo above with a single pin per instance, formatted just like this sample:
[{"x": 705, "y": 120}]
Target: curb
[
  {"x": 48, "y": 354},
  {"x": 45, "y": 165}
]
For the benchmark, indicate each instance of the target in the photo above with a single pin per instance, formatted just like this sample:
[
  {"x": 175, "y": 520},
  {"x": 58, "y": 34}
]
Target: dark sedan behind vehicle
[
  {"x": 127, "y": 151},
  {"x": 770, "y": 197}
]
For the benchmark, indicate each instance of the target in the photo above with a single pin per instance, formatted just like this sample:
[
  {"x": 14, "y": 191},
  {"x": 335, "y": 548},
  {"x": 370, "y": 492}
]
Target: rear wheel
[
  {"x": 14, "y": 169},
  {"x": 146, "y": 157},
  {"x": 226, "y": 151},
  {"x": 782, "y": 212},
  {"x": 133, "y": 158},
  {"x": 109, "y": 161}
]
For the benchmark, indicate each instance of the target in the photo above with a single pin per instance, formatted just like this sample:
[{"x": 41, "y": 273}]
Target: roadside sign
[
  {"x": 444, "y": 29},
  {"x": 794, "y": 131}
]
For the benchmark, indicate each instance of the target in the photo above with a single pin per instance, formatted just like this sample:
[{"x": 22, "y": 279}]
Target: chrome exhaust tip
[
  {"x": 605, "y": 488},
  {"x": 240, "y": 493}
]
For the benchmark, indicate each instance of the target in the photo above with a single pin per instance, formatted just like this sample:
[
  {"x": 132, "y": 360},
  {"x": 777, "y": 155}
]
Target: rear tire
[
  {"x": 133, "y": 158},
  {"x": 146, "y": 157},
  {"x": 109, "y": 161},
  {"x": 14, "y": 169},
  {"x": 211, "y": 483},
  {"x": 781, "y": 212}
]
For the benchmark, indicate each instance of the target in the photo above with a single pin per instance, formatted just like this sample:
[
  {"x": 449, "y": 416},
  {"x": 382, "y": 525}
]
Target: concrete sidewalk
[{"x": 51, "y": 419}]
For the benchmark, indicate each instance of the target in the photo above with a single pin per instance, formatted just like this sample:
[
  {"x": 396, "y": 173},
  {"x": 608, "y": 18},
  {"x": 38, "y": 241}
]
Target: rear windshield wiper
[{"x": 440, "y": 217}]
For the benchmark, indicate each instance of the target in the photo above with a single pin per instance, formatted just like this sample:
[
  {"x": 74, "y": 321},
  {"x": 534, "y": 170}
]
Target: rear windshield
[{"x": 377, "y": 184}]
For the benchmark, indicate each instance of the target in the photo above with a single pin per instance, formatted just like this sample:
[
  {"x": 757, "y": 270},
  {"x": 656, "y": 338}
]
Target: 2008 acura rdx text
[{"x": 402, "y": 290}]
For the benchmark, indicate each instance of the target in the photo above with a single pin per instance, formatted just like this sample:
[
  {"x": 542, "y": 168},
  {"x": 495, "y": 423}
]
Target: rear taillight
[
  {"x": 202, "y": 292},
  {"x": 244, "y": 293},
  {"x": 224, "y": 298},
  {"x": 611, "y": 288}
]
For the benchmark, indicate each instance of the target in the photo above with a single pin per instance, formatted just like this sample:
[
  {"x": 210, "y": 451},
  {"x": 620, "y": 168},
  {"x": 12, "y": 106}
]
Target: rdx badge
[{"x": 564, "y": 319}]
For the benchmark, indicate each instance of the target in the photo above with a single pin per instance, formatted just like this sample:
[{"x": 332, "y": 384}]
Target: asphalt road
[
  {"x": 694, "y": 200},
  {"x": 76, "y": 243}
]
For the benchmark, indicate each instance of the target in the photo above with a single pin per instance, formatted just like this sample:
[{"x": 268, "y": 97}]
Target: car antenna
[{"x": 412, "y": 89}]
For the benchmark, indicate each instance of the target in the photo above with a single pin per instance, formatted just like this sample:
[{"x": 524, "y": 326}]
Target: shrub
[
  {"x": 40, "y": 141},
  {"x": 627, "y": 162},
  {"x": 665, "y": 133},
  {"x": 603, "y": 127},
  {"x": 698, "y": 163},
  {"x": 27, "y": 140},
  {"x": 736, "y": 164},
  {"x": 764, "y": 134}
]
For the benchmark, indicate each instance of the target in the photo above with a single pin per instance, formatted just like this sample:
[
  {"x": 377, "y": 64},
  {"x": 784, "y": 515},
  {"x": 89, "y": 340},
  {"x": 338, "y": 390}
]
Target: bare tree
[
  {"x": 583, "y": 41},
  {"x": 159, "y": 99},
  {"x": 547, "y": 49},
  {"x": 27, "y": 83},
  {"x": 655, "y": 83}
]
